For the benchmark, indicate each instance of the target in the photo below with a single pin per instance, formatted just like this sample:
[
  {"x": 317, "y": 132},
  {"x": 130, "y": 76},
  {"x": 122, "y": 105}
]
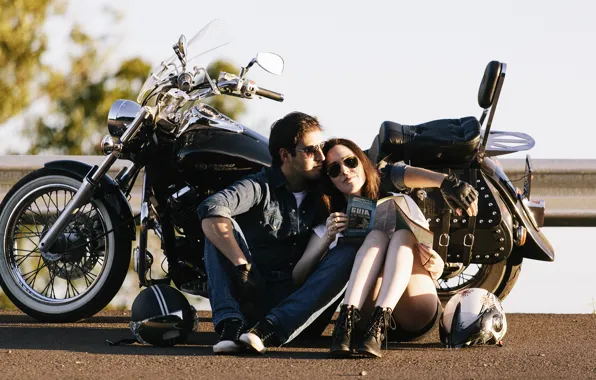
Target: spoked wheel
[
  {"x": 81, "y": 272},
  {"x": 498, "y": 278}
]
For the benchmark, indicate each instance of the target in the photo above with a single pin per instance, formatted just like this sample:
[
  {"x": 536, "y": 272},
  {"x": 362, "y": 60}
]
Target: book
[{"x": 388, "y": 214}]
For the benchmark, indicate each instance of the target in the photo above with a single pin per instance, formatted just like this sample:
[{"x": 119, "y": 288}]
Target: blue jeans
[{"x": 291, "y": 309}]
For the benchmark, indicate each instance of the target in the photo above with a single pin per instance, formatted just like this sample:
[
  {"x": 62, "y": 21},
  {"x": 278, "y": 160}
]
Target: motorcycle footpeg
[{"x": 196, "y": 288}]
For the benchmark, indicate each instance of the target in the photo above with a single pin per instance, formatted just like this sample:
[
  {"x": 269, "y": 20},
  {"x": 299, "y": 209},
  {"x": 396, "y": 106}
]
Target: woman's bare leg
[
  {"x": 407, "y": 287},
  {"x": 418, "y": 304},
  {"x": 366, "y": 269},
  {"x": 399, "y": 260}
]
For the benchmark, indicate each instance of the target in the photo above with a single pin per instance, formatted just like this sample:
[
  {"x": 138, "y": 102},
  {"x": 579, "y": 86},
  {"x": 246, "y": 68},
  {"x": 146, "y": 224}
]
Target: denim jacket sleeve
[{"x": 236, "y": 199}]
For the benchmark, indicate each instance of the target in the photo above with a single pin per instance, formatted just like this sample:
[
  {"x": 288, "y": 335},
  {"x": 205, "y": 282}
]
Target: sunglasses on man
[
  {"x": 350, "y": 162},
  {"x": 312, "y": 149}
]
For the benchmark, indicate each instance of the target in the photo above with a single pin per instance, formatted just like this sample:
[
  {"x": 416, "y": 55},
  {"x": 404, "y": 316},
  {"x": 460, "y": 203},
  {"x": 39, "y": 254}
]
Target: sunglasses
[
  {"x": 350, "y": 162},
  {"x": 312, "y": 149}
]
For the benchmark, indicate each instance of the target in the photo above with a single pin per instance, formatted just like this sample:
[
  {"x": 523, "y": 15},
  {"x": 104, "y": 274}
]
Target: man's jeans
[{"x": 292, "y": 309}]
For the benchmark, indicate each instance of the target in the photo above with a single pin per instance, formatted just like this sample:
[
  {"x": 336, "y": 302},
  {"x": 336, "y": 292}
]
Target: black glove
[
  {"x": 458, "y": 194},
  {"x": 247, "y": 281}
]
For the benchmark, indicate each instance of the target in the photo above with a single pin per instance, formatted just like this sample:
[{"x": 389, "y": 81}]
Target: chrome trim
[
  {"x": 507, "y": 142},
  {"x": 144, "y": 229},
  {"x": 121, "y": 114},
  {"x": 205, "y": 116},
  {"x": 107, "y": 145}
]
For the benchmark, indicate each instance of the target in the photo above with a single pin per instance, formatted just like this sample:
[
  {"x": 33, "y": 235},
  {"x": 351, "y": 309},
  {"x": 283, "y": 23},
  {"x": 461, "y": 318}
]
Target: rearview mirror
[
  {"x": 180, "y": 50},
  {"x": 271, "y": 62}
]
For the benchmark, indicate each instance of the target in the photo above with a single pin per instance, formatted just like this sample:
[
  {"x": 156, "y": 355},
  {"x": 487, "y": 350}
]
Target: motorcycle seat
[{"x": 435, "y": 143}]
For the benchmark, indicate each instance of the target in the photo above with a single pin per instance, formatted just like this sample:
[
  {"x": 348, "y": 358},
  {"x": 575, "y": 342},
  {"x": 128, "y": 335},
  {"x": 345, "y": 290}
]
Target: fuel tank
[{"x": 212, "y": 158}]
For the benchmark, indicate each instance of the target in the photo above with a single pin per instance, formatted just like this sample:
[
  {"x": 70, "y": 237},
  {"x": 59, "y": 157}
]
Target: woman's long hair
[{"x": 333, "y": 200}]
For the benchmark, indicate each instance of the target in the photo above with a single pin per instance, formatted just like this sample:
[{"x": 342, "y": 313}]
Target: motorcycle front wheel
[
  {"x": 84, "y": 269},
  {"x": 497, "y": 278}
]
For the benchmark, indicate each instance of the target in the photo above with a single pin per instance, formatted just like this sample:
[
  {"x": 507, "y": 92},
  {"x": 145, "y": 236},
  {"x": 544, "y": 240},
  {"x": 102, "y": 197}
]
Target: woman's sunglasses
[{"x": 334, "y": 169}]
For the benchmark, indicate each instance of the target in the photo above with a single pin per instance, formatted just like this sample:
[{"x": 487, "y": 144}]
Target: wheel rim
[
  {"x": 76, "y": 262},
  {"x": 471, "y": 276}
]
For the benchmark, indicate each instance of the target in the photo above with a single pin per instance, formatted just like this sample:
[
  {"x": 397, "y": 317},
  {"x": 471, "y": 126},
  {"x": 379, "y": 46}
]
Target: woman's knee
[
  {"x": 376, "y": 238},
  {"x": 404, "y": 237}
]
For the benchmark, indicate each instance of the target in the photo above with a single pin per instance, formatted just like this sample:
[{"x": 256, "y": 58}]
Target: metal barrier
[{"x": 567, "y": 186}]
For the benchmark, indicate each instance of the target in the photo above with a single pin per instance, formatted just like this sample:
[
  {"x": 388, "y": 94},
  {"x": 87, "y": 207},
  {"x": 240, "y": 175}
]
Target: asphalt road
[{"x": 537, "y": 346}]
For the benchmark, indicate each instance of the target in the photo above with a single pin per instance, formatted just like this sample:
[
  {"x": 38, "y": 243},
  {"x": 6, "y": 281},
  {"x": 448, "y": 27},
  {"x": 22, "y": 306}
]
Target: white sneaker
[
  {"x": 260, "y": 336},
  {"x": 227, "y": 347},
  {"x": 229, "y": 337},
  {"x": 253, "y": 342}
]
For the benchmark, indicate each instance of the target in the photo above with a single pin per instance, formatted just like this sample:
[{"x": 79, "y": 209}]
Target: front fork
[
  {"x": 142, "y": 257},
  {"x": 90, "y": 183}
]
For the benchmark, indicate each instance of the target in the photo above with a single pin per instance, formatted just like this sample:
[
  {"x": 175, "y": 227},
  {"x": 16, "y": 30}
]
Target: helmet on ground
[
  {"x": 472, "y": 316},
  {"x": 162, "y": 316}
]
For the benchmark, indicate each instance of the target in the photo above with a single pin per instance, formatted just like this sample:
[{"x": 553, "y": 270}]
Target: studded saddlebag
[{"x": 492, "y": 231}]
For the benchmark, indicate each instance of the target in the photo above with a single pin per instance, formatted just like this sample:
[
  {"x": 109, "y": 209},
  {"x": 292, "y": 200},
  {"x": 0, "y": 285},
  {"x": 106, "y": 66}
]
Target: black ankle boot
[
  {"x": 376, "y": 332},
  {"x": 342, "y": 333}
]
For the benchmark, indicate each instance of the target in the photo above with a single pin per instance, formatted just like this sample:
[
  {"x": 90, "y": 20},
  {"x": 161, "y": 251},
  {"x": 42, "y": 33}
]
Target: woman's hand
[
  {"x": 431, "y": 261},
  {"x": 336, "y": 222}
]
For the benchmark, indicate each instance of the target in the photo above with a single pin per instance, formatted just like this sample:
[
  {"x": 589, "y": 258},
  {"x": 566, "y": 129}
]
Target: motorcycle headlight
[{"x": 121, "y": 114}]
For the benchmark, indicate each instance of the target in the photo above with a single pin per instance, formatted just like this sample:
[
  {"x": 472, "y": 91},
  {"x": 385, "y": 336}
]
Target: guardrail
[{"x": 567, "y": 186}]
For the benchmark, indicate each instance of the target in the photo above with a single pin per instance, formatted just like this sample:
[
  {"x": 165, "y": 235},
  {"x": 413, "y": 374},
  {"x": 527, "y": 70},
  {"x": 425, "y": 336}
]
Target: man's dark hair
[{"x": 286, "y": 132}]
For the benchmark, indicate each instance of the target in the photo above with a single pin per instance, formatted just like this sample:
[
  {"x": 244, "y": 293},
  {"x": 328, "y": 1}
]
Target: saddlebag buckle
[
  {"x": 469, "y": 240},
  {"x": 445, "y": 242}
]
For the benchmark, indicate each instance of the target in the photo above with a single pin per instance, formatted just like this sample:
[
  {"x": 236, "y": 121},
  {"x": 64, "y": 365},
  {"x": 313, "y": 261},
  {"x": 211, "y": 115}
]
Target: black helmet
[
  {"x": 162, "y": 316},
  {"x": 472, "y": 316}
]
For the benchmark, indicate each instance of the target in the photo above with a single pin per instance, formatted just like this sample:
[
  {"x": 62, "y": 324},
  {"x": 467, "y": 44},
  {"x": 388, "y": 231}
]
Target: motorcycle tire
[
  {"x": 497, "y": 278},
  {"x": 92, "y": 255}
]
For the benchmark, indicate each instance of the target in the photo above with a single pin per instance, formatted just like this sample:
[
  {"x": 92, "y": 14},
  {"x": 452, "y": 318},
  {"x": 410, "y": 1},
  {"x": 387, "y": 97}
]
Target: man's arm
[
  {"x": 219, "y": 231},
  {"x": 419, "y": 177},
  {"x": 217, "y": 210},
  {"x": 459, "y": 195}
]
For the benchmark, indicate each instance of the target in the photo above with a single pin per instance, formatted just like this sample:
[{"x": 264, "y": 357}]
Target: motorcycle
[{"x": 67, "y": 229}]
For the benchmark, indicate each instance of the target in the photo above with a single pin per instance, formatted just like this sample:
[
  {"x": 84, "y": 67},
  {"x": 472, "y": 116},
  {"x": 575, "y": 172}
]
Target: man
[{"x": 249, "y": 259}]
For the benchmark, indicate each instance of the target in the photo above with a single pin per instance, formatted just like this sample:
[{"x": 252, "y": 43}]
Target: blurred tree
[
  {"x": 22, "y": 44},
  {"x": 81, "y": 98}
]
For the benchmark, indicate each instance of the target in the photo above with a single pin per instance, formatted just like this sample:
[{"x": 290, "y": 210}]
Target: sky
[{"x": 354, "y": 64}]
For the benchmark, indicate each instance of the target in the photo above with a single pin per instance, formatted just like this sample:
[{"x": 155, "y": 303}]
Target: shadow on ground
[{"x": 18, "y": 331}]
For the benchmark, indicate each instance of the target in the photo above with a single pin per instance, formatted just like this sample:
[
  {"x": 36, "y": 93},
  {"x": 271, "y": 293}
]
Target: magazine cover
[
  {"x": 361, "y": 214},
  {"x": 389, "y": 214}
]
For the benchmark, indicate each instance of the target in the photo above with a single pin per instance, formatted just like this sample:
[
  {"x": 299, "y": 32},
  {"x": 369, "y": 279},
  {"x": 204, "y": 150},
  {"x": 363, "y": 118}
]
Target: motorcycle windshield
[{"x": 199, "y": 48}]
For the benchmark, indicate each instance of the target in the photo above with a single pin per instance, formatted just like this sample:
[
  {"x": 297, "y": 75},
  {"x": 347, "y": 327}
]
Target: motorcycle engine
[{"x": 188, "y": 265}]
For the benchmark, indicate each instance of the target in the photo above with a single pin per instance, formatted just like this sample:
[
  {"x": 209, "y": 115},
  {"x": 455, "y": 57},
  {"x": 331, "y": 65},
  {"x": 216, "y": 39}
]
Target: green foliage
[
  {"x": 81, "y": 98},
  {"x": 22, "y": 44}
]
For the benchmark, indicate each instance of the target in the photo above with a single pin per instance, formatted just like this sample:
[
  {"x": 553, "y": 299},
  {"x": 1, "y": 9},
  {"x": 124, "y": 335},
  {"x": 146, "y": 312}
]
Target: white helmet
[{"x": 472, "y": 316}]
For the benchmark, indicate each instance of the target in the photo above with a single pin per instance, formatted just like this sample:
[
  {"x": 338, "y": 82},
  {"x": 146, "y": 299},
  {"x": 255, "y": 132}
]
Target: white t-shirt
[{"x": 299, "y": 197}]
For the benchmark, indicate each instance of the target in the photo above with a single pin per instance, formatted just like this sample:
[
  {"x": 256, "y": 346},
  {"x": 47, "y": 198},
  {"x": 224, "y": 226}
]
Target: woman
[{"x": 391, "y": 284}]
